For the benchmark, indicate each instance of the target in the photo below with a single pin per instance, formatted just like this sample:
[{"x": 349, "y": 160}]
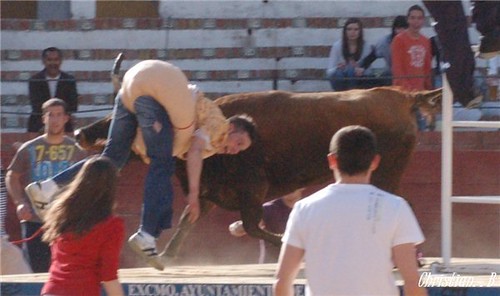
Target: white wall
[{"x": 283, "y": 8}]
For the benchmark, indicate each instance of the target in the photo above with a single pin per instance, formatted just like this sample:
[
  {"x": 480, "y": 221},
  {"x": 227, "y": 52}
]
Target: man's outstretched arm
[{"x": 288, "y": 268}]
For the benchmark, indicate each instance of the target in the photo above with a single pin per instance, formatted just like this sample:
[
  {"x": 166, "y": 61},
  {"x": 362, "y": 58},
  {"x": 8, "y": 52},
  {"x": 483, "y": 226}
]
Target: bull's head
[
  {"x": 93, "y": 137},
  {"x": 429, "y": 101},
  {"x": 429, "y": 104}
]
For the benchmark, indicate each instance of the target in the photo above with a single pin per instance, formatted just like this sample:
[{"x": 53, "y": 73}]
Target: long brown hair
[
  {"x": 359, "y": 43},
  {"x": 86, "y": 201}
]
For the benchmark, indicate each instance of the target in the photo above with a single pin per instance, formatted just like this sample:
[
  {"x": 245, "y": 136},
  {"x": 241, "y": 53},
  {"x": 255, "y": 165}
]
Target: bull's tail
[{"x": 115, "y": 73}]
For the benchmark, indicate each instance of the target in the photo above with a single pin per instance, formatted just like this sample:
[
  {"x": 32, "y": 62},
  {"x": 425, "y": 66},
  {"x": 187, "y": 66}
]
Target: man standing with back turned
[{"x": 350, "y": 233}]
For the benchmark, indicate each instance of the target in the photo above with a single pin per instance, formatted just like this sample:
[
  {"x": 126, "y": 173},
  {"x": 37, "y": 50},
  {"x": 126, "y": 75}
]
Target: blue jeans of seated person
[
  {"x": 158, "y": 191},
  {"x": 345, "y": 79},
  {"x": 341, "y": 80}
]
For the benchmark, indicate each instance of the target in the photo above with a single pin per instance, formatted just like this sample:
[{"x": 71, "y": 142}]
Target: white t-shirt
[
  {"x": 336, "y": 57},
  {"x": 347, "y": 232}
]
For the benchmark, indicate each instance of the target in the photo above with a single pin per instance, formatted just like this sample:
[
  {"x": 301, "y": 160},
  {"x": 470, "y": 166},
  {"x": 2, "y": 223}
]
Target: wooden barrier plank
[{"x": 257, "y": 279}]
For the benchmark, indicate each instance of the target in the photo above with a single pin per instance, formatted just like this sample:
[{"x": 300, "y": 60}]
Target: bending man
[{"x": 174, "y": 120}]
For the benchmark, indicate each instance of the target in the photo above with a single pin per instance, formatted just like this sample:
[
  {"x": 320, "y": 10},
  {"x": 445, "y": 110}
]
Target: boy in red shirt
[{"x": 411, "y": 54}]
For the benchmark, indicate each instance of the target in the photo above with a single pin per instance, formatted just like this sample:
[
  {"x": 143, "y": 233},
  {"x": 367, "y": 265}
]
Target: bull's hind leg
[{"x": 182, "y": 230}]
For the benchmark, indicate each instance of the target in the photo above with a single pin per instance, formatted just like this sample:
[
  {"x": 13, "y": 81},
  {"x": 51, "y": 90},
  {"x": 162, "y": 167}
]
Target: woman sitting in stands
[
  {"x": 344, "y": 70},
  {"x": 84, "y": 236}
]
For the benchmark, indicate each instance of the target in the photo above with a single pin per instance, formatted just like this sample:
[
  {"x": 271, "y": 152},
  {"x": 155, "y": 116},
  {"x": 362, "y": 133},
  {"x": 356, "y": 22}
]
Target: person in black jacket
[
  {"x": 452, "y": 31},
  {"x": 49, "y": 83},
  {"x": 382, "y": 49}
]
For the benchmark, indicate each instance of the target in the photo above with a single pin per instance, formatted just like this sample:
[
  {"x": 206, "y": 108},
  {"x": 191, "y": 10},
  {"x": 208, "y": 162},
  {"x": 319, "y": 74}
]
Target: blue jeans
[
  {"x": 158, "y": 136},
  {"x": 421, "y": 122},
  {"x": 346, "y": 79},
  {"x": 341, "y": 80}
]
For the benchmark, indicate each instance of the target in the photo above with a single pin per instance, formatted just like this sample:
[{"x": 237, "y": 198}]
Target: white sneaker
[
  {"x": 144, "y": 245},
  {"x": 41, "y": 196}
]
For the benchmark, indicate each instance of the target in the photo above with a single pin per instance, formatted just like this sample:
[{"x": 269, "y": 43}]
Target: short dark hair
[
  {"x": 54, "y": 102},
  {"x": 244, "y": 123},
  {"x": 415, "y": 7},
  {"x": 400, "y": 21},
  {"x": 51, "y": 49},
  {"x": 355, "y": 147}
]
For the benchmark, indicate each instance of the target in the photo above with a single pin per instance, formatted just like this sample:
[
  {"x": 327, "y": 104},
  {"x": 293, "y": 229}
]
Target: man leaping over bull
[{"x": 175, "y": 119}]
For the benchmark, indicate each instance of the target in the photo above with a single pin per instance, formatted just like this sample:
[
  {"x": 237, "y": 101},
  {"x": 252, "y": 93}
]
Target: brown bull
[{"x": 294, "y": 132}]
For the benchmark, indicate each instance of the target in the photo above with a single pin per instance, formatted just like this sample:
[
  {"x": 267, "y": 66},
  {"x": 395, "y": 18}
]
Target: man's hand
[
  {"x": 358, "y": 71},
  {"x": 24, "y": 211},
  {"x": 193, "y": 207}
]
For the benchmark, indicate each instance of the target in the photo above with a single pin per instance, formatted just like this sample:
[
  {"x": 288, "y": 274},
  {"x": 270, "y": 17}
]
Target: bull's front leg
[
  {"x": 251, "y": 220},
  {"x": 182, "y": 230}
]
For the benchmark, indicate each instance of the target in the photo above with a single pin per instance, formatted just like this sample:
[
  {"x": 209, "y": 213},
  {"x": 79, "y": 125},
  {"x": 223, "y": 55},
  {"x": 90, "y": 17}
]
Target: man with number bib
[{"x": 36, "y": 160}]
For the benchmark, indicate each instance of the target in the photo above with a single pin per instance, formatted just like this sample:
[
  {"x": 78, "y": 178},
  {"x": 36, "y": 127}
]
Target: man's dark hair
[
  {"x": 355, "y": 147},
  {"x": 51, "y": 49},
  {"x": 54, "y": 102},
  {"x": 400, "y": 21},
  {"x": 415, "y": 7},
  {"x": 244, "y": 123}
]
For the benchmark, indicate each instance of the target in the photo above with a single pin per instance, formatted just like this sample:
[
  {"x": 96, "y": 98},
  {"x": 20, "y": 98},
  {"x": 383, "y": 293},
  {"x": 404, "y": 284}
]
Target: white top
[
  {"x": 200, "y": 133},
  {"x": 493, "y": 66},
  {"x": 347, "y": 232},
  {"x": 336, "y": 56}
]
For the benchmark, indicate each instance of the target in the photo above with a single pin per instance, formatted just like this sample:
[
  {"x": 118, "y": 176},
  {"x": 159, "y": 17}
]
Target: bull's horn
[
  {"x": 115, "y": 73},
  {"x": 117, "y": 64}
]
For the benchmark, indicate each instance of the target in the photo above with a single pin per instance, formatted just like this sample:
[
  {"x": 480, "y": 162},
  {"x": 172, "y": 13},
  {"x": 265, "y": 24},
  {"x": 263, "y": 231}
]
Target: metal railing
[{"x": 447, "y": 199}]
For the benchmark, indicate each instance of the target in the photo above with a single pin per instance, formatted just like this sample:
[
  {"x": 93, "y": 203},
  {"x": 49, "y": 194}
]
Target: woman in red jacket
[{"x": 85, "y": 237}]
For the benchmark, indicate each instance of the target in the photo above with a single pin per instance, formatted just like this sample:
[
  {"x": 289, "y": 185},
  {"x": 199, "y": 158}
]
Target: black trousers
[
  {"x": 451, "y": 29},
  {"x": 486, "y": 15},
  {"x": 36, "y": 252}
]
